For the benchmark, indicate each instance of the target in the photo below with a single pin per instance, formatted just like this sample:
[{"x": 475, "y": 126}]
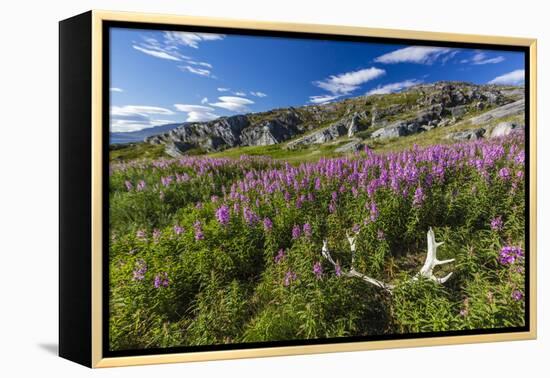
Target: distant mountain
[
  {"x": 384, "y": 116},
  {"x": 140, "y": 135}
]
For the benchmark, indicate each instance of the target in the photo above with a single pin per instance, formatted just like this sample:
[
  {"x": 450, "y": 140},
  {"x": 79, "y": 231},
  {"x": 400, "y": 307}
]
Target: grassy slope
[{"x": 314, "y": 152}]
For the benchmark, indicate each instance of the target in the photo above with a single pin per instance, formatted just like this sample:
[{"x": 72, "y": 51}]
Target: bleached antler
[
  {"x": 432, "y": 261},
  {"x": 426, "y": 271},
  {"x": 352, "y": 272}
]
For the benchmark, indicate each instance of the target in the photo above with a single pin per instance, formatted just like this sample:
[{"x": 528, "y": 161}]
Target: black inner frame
[{"x": 107, "y": 25}]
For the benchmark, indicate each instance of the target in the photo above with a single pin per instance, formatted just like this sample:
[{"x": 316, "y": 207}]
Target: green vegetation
[{"x": 215, "y": 250}]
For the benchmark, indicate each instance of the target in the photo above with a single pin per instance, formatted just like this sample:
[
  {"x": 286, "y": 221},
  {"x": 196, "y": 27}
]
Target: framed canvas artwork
[{"x": 235, "y": 189}]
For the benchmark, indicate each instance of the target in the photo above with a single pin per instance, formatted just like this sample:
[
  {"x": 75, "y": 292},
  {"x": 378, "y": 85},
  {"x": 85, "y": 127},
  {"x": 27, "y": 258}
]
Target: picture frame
[{"x": 85, "y": 100}]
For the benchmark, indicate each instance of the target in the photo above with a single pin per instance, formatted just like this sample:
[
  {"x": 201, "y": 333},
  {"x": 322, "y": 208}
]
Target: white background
[{"x": 29, "y": 186}]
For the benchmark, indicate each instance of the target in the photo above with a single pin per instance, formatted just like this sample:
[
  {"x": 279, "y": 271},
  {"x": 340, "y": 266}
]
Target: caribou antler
[
  {"x": 426, "y": 271},
  {"x": 432, "y": 261}
]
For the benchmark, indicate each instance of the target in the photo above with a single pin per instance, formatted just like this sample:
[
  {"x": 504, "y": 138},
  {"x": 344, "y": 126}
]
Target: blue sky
[{"x": 160, "y": 77}]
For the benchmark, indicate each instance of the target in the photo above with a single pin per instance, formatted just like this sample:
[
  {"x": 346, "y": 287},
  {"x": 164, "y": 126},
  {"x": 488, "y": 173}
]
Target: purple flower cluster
[
  {"x": 250, "y": 216},
  {"x": 268, "y": 224},
  {"x": 497, "y": 224},
  {"x": 140, "y": 270},
  {"x": 280, "y": 256},
  {"x": 161, "y": 280},
  {"x": 197, "y": 226},
  {"x": 223, "y": 215},
  {"x": 178, "y": 230},
  {"x": 517, "y": 295},
  {"x": 290, "y": 277},
  {"x": 140, "y": 186},
  {"x": 296, "y": 232},
  {"x": 510, "y": 254},
  {"x": 318, "y": 270},
  {"x": 307, "y": 230},
  {"x": 140, "y": 234}
]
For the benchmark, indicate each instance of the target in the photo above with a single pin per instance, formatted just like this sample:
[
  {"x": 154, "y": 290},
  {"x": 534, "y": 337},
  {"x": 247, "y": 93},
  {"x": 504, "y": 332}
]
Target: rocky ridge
[{"x": 418, "y": 109}]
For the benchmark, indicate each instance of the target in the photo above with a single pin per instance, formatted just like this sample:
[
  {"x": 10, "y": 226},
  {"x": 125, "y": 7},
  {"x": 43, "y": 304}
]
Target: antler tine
[
  {"x": 325, "y": 252},
  {"x": 432, "y": 261},
  {"x": 352, "y": 247}
]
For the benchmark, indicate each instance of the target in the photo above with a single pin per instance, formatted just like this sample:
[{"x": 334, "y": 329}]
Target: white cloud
[
  {"x": 197, "y": 113},
  {"x": 203, "y": 64},
  {"x": 393, "y": 87},
  {"x": 136, "y": 117},
  {"x": 115, "y": 89},
  {"x": 138, "y": 109},
  {"x": 204, "y": 100},
  {"x": 322, "y": 99},
  {"x": 416, "y": 54},
  {"x": 243, "y": 94},
  {"x": 200, "y": 116},
  {"x": 190, "y": 39},
  {"x": 258, "y": 94},
  {"x": 197, "y": 71},
  {"x": 193, "y": 108},
  {"x": 516, "y": 77},
  {"x": 349, "y": 81},
  {"x": 234, "y": 104},
  {"x": 481, "y": 58},
  {"x": 157, "y": 53},
  {"x": 224, "y": 89}
]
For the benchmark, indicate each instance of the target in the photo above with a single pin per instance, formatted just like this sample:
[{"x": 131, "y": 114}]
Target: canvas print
[{"x": 279, "y": 190}]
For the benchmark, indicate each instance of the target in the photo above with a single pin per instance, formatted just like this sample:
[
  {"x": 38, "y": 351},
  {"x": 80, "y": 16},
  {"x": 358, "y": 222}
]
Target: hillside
[{"x": 424, "y": 114}]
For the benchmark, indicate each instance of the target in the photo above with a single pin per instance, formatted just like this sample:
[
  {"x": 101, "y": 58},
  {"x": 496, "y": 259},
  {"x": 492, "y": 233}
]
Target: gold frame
[{"x": 99, "y": 16}]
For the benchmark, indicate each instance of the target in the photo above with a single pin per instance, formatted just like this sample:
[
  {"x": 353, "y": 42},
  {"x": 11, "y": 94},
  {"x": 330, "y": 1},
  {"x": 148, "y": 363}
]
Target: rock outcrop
[
  {"x": 418, "y": 109},
  {"x": 467, "y": 134},
  {"x": 505, "y": 128},
  {"x": 507, "y": 110}
]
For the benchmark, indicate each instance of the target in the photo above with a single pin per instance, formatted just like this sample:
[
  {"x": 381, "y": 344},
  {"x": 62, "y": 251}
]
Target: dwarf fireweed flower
[
  {"x": 280, "y": 256},
  {"x": 140, "y": 270},
  {"x": 156, "y": 234},
  {"x": 373, "y": 212},
  {"x": 140, "y": 186},
  {"x": 222, "y": 215},
  {"x": 140, "y": 234},
  {"x": 418, "y": 196},
  {"x": 290, "y": 277},
  {"x": 318, "y": 270},
  {"x": 356, "y": 228},
  {"x": 268, "y": 224},
  {"x": 161, "y": 280},
  {"x": 199, "y": 235},
  {"x": 517, "y": 295},
  {"x": 504, "y": 173},
  {"x": 496, "y": 223},
  {"x": 307, "y": 230},
  {"x": 178, "y": 229},
  {"x": 332, "y": 207},
  {"x": 249, "y": 216},
  {"x": 128, "y": 185},
  {"x": 337, "y": 270},
  {"x": 296, "y": 232},
  {"x": 510, "y": 254},
  {"x": 166, "y": 180}
]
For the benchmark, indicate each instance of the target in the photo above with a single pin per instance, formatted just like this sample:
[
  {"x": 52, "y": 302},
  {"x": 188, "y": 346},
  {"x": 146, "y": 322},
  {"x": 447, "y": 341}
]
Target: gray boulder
[
  {"x": 504, "y": 128},
  {"x": 345, "y": 126},
  {"x": 507, "y": 110},
  {"x": 473, "y": 134},
  {"x": 352, "y": 146}
]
